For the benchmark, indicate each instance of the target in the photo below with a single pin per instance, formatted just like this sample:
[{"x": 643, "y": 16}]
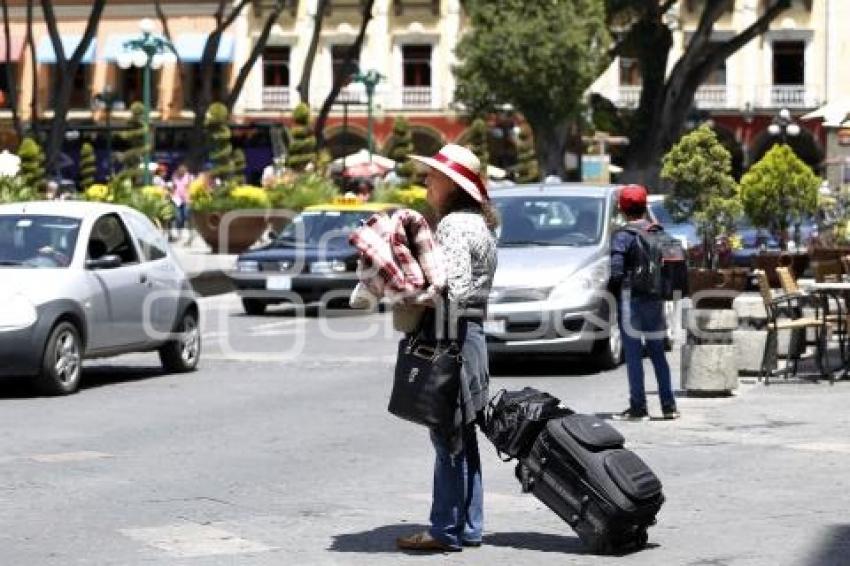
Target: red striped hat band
[{"x": 465, "y": 171}]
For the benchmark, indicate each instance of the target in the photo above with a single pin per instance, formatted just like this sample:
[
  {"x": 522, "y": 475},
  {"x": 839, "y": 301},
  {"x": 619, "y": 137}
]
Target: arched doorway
[
  {"x": 426, "y": 140},
  {"x": 804, "y": 145}
]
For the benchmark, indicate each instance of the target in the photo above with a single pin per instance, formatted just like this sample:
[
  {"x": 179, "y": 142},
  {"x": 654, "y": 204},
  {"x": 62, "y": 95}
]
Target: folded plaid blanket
[{"x": 399, "y": 256}]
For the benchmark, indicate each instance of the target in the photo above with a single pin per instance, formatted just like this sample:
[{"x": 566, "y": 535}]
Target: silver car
[
  {"x": 549, "y": 292},
  {"x": 85, "y": 280}
]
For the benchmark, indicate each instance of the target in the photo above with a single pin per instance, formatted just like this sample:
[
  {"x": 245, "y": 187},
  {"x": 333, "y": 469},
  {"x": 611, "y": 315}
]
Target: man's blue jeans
[
  {"x": 644, "y": 317},
  {"x": 457, "y": 507}
]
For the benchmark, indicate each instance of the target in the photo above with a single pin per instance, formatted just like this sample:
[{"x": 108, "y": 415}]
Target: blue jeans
[
  {"x": 457, "y": 507},
  {"x": 644, "y": 317}
]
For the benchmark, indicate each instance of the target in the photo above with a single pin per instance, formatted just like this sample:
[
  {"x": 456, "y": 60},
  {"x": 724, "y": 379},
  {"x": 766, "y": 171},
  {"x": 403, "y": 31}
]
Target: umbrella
[
  {"x": 361, "y": 157},
  {"x": 832, "y": 113},
  {"x": 365, "y": 170},
  {"x": 10, "y": 164}
]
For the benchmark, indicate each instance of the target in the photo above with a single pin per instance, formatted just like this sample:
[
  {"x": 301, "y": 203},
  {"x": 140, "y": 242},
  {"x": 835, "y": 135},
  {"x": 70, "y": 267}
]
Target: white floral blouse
[{"x": 469, "y": 253}]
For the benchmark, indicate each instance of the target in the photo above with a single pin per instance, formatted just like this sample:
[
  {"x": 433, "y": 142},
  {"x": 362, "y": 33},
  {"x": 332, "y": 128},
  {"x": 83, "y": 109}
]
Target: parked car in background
[
  {"x": 87, "y": 280},
  {"x": 685, "y": 231},
  {"x": 310, "y": 258},
  {"x": 549, "y": 291},
  {"x": 748, "y": 241}
]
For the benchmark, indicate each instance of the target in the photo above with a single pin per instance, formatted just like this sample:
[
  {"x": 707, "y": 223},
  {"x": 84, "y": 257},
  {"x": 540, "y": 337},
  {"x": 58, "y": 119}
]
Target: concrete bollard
[{"x": 709, "y": 360}]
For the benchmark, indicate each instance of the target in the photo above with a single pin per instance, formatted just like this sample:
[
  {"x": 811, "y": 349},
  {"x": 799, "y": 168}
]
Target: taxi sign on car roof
[{"x": 352, "y": 204}]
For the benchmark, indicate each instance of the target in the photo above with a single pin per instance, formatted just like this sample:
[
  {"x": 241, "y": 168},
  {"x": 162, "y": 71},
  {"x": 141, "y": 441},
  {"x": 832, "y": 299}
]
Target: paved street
[{"x": 267, "y": 457}]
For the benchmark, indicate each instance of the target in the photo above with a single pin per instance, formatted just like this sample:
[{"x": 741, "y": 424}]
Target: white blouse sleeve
[{"x": 453, "y": 238}]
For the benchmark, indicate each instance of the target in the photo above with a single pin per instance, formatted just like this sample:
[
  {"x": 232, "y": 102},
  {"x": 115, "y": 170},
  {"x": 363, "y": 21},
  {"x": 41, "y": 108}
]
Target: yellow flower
[
  {"x": 98, "y": 193},
  {"x": 251, "y": 196},
  {"x": 153, "y": 191}
]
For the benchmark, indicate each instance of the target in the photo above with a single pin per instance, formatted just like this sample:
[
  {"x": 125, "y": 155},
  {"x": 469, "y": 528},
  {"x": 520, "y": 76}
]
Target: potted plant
[
  {"x": 699, "y": 170},
  {"x": 229, "y": 218},
  {"x": 295, "y": 192}
]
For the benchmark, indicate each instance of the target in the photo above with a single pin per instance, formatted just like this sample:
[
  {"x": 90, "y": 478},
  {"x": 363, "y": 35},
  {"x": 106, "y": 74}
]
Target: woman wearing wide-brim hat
[{"x": 466, "y": 221}]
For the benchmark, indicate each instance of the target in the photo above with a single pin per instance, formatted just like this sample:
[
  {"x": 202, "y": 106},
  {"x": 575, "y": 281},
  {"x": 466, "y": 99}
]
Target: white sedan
[{"x": 86, "y": 280}]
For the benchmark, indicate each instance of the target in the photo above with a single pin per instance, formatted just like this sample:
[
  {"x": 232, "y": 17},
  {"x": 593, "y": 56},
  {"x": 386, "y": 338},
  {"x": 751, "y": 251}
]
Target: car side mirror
[{"x": 105, "y": 262}]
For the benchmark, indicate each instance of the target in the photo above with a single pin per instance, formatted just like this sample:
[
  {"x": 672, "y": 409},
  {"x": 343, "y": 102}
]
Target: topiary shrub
[
  {"x": 238, "y": 176},
  {"x": 302, "y": 150},
  {"x": 134, "y": 136},
  {"x": 218, "y": 136},
  {"x": 402, "y": 149},
  {"x": 32, "y": 164},
  {"x": 88, "y": 165},
  {"x": 478, "y": 143},
  {"x": 527, "y": 170}
]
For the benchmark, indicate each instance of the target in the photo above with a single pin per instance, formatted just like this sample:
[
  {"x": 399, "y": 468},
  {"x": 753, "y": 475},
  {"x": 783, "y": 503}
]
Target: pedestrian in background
[
  {"x": 180, "y": 194},
  {"x": 640, "y": 313},
  {"x": 466, "y": 221}
]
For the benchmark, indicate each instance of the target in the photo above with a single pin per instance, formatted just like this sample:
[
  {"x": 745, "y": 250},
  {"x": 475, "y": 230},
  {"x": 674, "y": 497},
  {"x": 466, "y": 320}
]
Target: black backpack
[
  {"x": 514, "y": 419},
  {"x": 644, "y": 276}
]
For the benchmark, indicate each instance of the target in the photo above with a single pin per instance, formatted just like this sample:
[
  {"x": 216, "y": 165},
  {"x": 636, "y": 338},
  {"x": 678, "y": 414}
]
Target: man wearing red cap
[{"x": 640, "y": 311}]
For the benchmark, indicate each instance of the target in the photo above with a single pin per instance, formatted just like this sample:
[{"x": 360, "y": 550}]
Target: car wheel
[
  {"x": 61, "y": 365},
  {"x": 254, "y": 307},
  {"x": 608, "y": 351},
  {"x": 183, "y": 354}
]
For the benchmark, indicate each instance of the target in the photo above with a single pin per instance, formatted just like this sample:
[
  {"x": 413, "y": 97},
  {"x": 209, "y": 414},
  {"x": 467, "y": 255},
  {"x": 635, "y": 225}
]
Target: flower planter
[
  {"x": 728, "y": 283},
  {"x": 233, "y": 236}
]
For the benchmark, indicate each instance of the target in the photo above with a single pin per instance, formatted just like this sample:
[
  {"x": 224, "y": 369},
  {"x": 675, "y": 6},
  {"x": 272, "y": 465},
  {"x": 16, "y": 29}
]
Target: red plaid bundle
[{"x": 399, "y": 256}]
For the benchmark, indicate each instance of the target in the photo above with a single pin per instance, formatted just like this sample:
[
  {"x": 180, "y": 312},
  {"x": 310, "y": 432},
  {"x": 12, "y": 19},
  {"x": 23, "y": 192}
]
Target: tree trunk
[
  {"x": 30, "y": 42},
  {"x": 11, "y": 79},
  {"x": 550, "y": 145},
  {"x": 304, "y": 84},
  {"x": 350, "y": 53},
  {"x": 258, "y": 48},
  {"x": 66, "y": 68}
]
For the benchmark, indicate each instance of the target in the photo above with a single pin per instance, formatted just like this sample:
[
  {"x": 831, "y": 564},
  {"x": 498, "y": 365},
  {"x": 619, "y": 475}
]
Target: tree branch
[
  {"x": 757, "y": 28},
  {"x": 233, "y": 15},
  {"x": 53, "y": 32},
  {"x": 259, "y": 45},
  {"x": 304, "y": 84},
  {"x": 89, "y": 33}
]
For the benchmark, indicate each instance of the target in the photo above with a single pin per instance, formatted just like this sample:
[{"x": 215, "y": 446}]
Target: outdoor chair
[
  {"x": 785, "y": 313},
  {"x": 833, "y": 306},
  {"x": 827, "y": 270}
]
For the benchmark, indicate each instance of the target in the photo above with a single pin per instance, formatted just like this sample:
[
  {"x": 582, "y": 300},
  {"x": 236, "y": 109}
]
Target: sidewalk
[{"x": 206, "y": 270}]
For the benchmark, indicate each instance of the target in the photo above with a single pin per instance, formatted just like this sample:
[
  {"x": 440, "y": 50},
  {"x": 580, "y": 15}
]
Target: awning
[
  {"x": 832, "y": 113},
  {"x": 44, "y": 52},
  {"x": 114, "y": 45},
  {"x": 190, "y": 47},
  {"x": 17, "y": 44}
]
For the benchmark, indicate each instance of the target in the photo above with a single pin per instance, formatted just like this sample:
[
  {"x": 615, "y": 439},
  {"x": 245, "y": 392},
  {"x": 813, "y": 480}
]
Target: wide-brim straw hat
[{"x": 461, "y": 166}]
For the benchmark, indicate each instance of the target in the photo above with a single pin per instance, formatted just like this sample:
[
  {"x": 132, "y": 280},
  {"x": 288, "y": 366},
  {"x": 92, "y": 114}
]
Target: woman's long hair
[{"x": 459, "y": 199}]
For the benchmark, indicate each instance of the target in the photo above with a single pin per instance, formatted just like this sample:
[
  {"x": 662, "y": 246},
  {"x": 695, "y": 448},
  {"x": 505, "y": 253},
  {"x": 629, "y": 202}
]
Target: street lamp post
[
  {"x": 107, "y": 100},
  {"x": 370, "y": 80},
  {"x": 147, "y": 52},
  {"x": 783, "y": 126}
]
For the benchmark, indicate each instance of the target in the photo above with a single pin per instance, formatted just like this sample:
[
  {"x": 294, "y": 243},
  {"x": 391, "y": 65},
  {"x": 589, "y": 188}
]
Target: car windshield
[
  {"x": 322, "y": 228},
  {"x": 660, "y": 213},
  {"x": 37, "y": 241},
  {"x": 550, "y": 220}
]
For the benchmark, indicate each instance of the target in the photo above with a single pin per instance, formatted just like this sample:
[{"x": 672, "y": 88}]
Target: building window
[
  {"x": 5, "y": 87},
  {"x": 417, "y": 65},
  {"x": 629, "y": 72},
  {"x": 130, "y": 85},
  {"x": 788, "y": 62},
  {"x": 337, "y": 59},
  {"x": 717, "y": 76},
  {"x": 194, "y": 82},
  {"x": 81, "y": 89},
  {"x": 276, "y": 66}
]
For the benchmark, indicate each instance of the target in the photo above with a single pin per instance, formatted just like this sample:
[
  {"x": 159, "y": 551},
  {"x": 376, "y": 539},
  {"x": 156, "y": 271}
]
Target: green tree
[
  {"x": 541, "y": 57},
  {"x": 218, "y": 138},
  {"x": 132, "y": 160},
  {"x": 88, "y": 166},
  {"x": 526, "y": 168},
  {"x": 700, "y": 171},
  {"x": 477, "y": 142},
  {"x": 32, "y": 164},
  {"x": 302, "y": 150},
  {"x": 644, "y": 31},
  {"x": 402, "y": 149},
  {"x": 779, "y": 190}
]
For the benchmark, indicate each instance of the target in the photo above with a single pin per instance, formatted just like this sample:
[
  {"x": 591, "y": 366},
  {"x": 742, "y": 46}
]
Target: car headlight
[
  {"x": 581, "y": 287},
  {"x": 248, "y": 266},
  {"x": 17, "y": 313},
  {"x": 334, "y": 266}
]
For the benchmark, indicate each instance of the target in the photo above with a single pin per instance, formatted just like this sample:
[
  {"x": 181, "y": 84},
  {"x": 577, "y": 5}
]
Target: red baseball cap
[{"x": 631, "y": 196}]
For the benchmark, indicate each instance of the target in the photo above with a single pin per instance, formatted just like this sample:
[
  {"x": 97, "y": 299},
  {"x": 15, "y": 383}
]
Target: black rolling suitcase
[{"x": 579, "y": 469}]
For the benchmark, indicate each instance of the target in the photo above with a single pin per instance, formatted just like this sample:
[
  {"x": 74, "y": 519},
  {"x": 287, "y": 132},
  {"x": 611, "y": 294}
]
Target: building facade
[{"x": 798, "y": 64}]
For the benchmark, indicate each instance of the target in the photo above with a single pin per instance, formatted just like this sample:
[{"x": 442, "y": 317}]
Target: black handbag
[
  {"x": 426, "y": 383},
  {"x": 514, "y": 419}
]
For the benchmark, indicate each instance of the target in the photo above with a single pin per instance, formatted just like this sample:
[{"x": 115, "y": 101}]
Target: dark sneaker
[
  {"x": 632, "y": 414},
  {"x": 670, "y": 414}
]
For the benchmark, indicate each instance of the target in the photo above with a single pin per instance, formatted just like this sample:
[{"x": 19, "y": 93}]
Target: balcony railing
[
  {"x": 712, "y": 96},
  {"x": 276, "y": 98},
  {"x": 416, "y": 97},
  {"x": 790, "y": 96},
  {"x": 628, "y": 96},
  {"x": 352, "y": 93}
]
